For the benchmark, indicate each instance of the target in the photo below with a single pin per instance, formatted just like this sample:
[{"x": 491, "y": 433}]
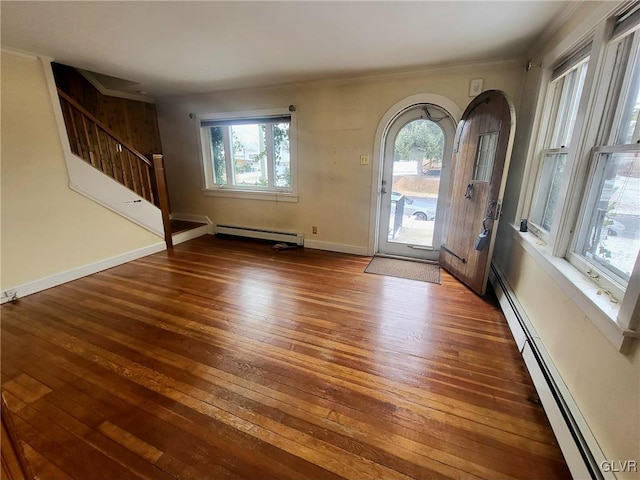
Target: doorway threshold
[{"x": 410, "y": 259}]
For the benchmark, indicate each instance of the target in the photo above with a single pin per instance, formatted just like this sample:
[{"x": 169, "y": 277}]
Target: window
[
  {"x": 486, "y": 155},
  {"x": 607, "y": 242},
  {"x": 613, "y": 203},
  {"x": 251, "y": 153},
  {"x": 585, "y": 200},
  {"x": 563, "y": 97}
]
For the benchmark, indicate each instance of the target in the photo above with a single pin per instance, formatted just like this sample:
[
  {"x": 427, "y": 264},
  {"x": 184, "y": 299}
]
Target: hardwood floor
[
  {"x": 178, "y": 226},
  {"x": 225, "y": 360}
]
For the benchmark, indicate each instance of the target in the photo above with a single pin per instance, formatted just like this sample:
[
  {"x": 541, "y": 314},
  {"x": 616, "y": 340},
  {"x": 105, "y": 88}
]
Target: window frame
[
  {"x": 617, "y": 318},
  {"x": 607, "y": 278},
  {"x": 610, "y": 96},
  {"x": 271, "y": 191},
  {"x": 548, "y": 178},
  {"x": 548, "y": 142}
]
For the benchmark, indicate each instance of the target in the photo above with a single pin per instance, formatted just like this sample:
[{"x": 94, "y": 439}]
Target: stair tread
[{"x": 178, "y": 226}]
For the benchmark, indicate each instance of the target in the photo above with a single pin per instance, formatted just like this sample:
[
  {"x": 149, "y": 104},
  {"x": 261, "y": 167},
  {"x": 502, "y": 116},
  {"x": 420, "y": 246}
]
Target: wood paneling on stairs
[
  {"x": 226, "y": 359},
  {"x": 135, "y": 122}
]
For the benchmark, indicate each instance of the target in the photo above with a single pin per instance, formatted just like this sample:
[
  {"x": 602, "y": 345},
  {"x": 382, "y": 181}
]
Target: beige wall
[
  {"x": 604, "y": 383},
  {"x": 336, "y": 124},
  {"x": 337, "y": 121},
  {"x": 46, "y": 228}
]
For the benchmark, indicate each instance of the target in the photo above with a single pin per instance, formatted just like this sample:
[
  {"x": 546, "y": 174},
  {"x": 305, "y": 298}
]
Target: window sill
[
  {"x": 579, "y": 288},
  {"x": 251, "y": 194}
]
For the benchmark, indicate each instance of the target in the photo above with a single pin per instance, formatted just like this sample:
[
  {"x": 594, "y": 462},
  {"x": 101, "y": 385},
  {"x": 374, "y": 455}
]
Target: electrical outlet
[
  {"x": 364, "y": 159},
  {"x": 314, "y": 230}
]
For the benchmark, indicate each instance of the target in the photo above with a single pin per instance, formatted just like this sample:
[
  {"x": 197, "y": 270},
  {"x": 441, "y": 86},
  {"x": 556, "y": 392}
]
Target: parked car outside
[
  {"x": 615, "y": 229},
  {"x": 411, "y": 210}
]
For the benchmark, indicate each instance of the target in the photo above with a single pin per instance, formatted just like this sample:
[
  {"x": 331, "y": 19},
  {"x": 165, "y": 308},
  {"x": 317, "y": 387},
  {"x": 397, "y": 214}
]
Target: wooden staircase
[{"x": 101, "y": 148}]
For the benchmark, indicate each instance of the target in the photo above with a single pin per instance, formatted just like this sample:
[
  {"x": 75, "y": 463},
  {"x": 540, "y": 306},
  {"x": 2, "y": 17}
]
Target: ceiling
[{"x": 178, "y": 47}]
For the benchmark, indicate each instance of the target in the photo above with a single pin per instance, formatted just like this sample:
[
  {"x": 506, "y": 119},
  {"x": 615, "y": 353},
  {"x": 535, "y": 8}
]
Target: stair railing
[{"x": 99, "y": 146}]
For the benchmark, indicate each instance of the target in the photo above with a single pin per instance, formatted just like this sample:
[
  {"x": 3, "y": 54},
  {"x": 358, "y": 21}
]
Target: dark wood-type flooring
[
  {"x": 227, "y": 360},
  {"x": 178, "y": 226}
]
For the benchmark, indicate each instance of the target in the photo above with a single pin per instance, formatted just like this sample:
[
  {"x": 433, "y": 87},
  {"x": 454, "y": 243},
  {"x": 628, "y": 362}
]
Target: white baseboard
[
  {"x": 579, "y": 447},
  {"x": 188, "y": 217},
  {"x": 336, "y": 247},
  {"x": 187, "y": 235},
  {"x": 206, "y": 229},
  {"x": 79, "y": 272}
]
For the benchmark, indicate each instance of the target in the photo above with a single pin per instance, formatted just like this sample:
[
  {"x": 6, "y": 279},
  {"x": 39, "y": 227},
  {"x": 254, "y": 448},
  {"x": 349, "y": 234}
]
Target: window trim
[
  {"x": 623, "y": 322},
  {"x": 589, "y": 130},
  {"x": 599, "y": 136},
  {"x": 278, "y": 194},
  {"x": 606, "y": 279},
  {"x": 613, "y": 320},
  {"x": 544, "y": 133},
  {"x": 539, "y": 229}
]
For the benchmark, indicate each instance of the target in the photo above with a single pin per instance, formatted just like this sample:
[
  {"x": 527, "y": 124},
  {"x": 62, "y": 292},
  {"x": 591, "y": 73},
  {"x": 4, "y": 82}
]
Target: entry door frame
[
  {"x": 377, "y": 160},
  {"x": 448, "y": 126}
]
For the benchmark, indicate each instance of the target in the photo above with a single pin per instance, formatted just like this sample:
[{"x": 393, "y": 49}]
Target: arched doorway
[{"x": 416, "y": 149}]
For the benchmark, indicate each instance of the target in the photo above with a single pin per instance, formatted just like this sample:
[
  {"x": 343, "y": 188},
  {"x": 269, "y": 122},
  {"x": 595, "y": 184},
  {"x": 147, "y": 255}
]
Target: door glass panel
[
  {"x": 417, "y": 164},
  {"x": 485, "y": 157}
]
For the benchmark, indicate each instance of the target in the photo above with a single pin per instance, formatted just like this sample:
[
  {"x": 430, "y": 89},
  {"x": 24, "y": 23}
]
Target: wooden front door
[{"x": 482, "y": 150}]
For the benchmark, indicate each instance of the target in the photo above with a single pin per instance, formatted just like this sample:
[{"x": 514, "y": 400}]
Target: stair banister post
[{"x": 163, "y": 197}]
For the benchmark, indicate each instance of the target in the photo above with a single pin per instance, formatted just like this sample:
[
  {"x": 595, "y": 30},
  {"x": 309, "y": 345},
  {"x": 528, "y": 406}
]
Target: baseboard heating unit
[
  {"x": 259, "y": 233},
  {"x": 581, "y": 451}
]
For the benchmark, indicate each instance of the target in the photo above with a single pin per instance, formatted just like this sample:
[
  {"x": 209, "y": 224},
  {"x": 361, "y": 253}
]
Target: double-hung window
[
  {"x": 607, "y": 238},
  {"x": 561, "y": 105},
  {"x": 249, "y": 153},
  {"x": 585, "y": 200}
]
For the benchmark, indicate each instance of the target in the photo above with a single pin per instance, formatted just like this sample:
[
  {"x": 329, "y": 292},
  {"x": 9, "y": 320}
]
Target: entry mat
[{"x": 392, "y": 267}]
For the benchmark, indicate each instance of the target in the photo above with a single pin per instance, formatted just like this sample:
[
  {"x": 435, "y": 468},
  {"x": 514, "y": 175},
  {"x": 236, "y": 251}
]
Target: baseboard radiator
[
  {"x": 259, "y": 233},
  {"x": 582, "y": 453}
]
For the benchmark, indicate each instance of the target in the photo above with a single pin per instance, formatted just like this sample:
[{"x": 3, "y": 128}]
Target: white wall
[
  {"x": 46, "y": 227},
  {"x": 337, "y": 121},
  {"x": 604, "y": 383}
]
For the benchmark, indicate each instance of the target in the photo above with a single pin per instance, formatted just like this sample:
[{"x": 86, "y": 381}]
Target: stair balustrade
[{"x": 99, "y": 146}]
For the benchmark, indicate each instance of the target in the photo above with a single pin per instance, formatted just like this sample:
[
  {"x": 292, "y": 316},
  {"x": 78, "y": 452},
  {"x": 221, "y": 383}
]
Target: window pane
[
  {"x": 630, "y": 103},
  {"x": 548, "y": 190},
  {"x": 487, "y": 145},
  {"x": 567, "y": 90},
  {"x": 612, "y": 235},
  {"x": 418, "y": 149},
  {"x": 217, "y": 156},
  {"x": 249, "y": 154},
  {"x": 282, "y": 154}
]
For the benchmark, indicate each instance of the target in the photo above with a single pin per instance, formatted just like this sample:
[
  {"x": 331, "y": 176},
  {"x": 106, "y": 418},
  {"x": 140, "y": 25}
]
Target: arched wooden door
[{"x": 481, "y": 155}]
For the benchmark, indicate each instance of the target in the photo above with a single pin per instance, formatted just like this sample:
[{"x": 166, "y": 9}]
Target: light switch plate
[{"x": 364, "y": 159}]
